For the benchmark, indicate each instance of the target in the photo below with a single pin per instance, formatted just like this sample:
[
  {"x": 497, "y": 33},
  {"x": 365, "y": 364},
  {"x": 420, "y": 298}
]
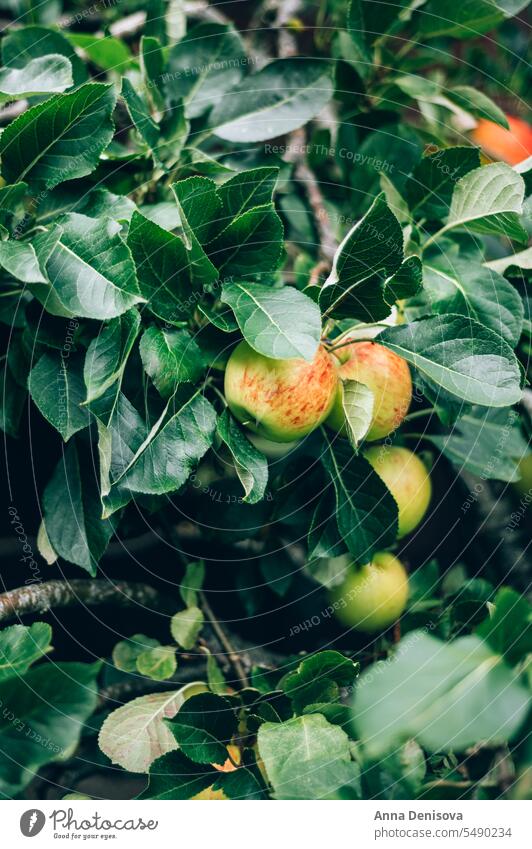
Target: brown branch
[
  {"x": 227, "y": 645},
  {"x": 296, "y": 149},
  {"x": 40, "y": 598}
]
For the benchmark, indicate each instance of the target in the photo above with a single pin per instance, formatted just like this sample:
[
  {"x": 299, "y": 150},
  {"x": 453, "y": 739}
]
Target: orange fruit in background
[{"x": 512, "y": 146}]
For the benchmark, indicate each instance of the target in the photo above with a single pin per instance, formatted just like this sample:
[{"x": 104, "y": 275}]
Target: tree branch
[
  {"x": 296, "y": 149},
  {"x": 40, "y": 598}
]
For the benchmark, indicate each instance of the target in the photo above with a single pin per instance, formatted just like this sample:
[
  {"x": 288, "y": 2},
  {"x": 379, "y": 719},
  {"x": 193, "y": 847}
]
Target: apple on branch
[
  {"x": 407, "y": 478},
  {"x": 371, "y": 597},
  {"x": 388, "y": 377},
  {"x": 281, "y": 400}
]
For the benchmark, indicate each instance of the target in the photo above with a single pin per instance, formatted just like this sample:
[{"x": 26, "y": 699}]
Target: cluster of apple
[{"x": 284, "y": 400}]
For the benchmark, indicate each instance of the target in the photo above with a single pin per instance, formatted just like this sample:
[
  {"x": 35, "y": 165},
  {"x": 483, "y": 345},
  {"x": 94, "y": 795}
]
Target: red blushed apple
[
  {"x": 388, "y": 377},
  {"x": 512, "y": 146},
  {"x": 282, "y": 400}
]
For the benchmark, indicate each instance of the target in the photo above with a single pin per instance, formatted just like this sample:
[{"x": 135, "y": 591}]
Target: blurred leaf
[
  {"x": 445, "y": 695},
  {"x": 21, "y": 646},
  {"x": 278, "y": 99},
  {"x": 186, "y": 626}
]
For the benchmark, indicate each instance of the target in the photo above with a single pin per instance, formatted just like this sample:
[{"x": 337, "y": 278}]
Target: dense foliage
[{"x": 178, "y": 194}]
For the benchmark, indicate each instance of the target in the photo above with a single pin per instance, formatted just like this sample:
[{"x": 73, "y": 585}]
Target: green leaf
[
  {"x": 278, "y": 99},
  {"x": 174, "y": 776},
  {"x": 475, "y": 102},
  {"x": 521, "y": 259},
  {"x": 12, "y": 399},
  {"x": 21, "y": 646},
  {"x": 371, "y": 252},
  {"x": 90, "y": 270},
  {"x": 318, "y": 678},
  {"x": 251, "y": 465},
  {"x": 366, "y": 511},
  {"x": 152, "y": 62},
  {"x": 12, "y": 197},
  {"x": 192, "y": 583},
  {"x": 167, "y": 276},
  {"x": 166, "y": 456},
  {"x": 430, "y": 188},
  {"x": 357, "y": 31},
  {"x": 357, "y": 404},
  {"x": 215, "y": 677},
  {"x": 20, "y": 46},
  {"x": 158, "y": 663},
  {"x": 461, "y": 356},
  {"x": 508, "y": 629},
  {"x": 72, "y": 511},
  {"x": 198, "y": 198},
  {"x": 106, "y": 52},
  {"x": 43, "y": 715},
  {"x": 243, "y": 783},
  {"x": 459, "y": 286},
  {"x": 487, "y": 442},
  {"x": 139, "y": 113},
  {"x": 247, "y": 190},
  {"x": 43, "y": 75},
  {"x": 324, "y": 540},
  {"x": 20, "y": 260},
  {"x": 466, "y": 20},
  {"x": 204, "y": 65},
  {"x": 279, "y": 323},
  {"x": 278, "y": 570},
  {"x": 203, "y": 727},
  {"x": 406, "y": 282},
  {"x": 447, "y": 696},
  {"x": 170, "y": 357},
  {"x": 251, "y": 245},
  {"x": 186, "y": 626},
  {"x": 60, "y": 139},
  {"x": 489, "y": 200},
  {"x": 126, "y": 652},
  {"x": 57, "y": 388},
  {"x": 307, "y": 758},
  {"x": 136, "y": 734},
  {"x": 105, "y": 363}
]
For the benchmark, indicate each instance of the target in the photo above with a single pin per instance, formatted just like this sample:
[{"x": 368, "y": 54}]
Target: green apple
[
  {"x": 272, "y": 450},
  {"x": 373, "y": 596},
  {"x": 282, "y": 400},
  {"x": 388, "y": 377},
  {"x": 524, "y": 485},
  {"x": 407, "y": 478}
]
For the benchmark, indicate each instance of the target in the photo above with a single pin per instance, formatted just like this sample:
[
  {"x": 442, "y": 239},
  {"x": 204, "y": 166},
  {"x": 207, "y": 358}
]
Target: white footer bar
[{"x": 268, "y": 825}]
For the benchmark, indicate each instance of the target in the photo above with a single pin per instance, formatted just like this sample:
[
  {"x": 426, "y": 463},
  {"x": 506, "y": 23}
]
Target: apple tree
[{"x": 265, "y": 402}]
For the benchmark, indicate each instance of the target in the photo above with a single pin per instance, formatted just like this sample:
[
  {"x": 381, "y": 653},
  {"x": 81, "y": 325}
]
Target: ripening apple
[
  {"x": 373, "y": 596},
  {"x": 282, "y": 400},
  {"x": 407, "y": 478},
  {"x": 512, "y": 146},
  {"x": 524, "y": 484},
  {"x": 271, "y": 450},
  {"x": 388, "y": 377}
]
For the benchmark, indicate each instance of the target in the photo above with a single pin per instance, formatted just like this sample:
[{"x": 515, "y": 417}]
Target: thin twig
[{"x": 226, "y": 643}]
